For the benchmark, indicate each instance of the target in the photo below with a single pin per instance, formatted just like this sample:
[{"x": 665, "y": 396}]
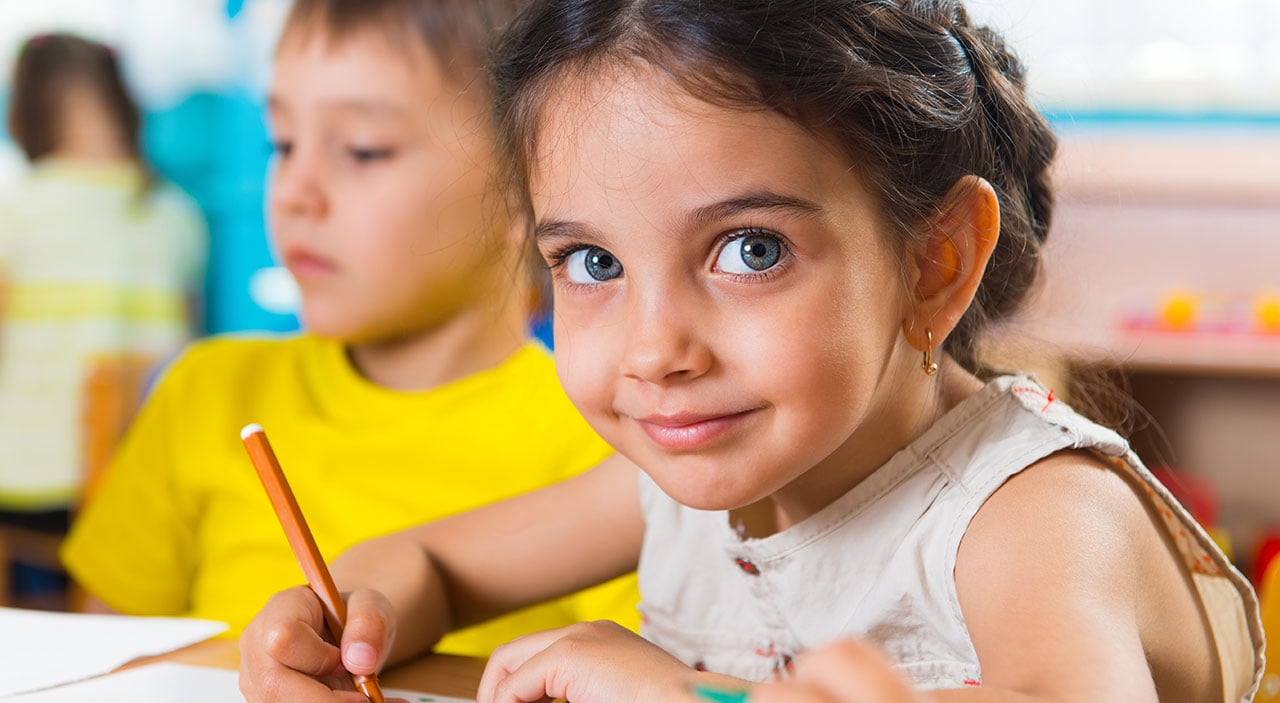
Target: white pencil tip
[{"x": 249, "y": 429}]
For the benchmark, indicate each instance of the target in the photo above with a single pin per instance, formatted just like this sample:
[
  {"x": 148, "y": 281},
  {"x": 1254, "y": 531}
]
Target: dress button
[{"x": 747, "y": 566}]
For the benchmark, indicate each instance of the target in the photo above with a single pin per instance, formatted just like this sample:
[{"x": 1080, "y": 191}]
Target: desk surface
[{"x": 435, "y": 673}]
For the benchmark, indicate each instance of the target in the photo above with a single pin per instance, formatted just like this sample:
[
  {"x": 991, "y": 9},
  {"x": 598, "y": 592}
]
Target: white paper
[
  {"x": 167, "y": 682},
  {"x": 39, "y": 649}
]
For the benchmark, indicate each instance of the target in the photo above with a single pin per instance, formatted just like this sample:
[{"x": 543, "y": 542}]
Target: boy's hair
[
  {"x": 48, "y": 66},
  {"x": 458, "y": 33},
  {"x": 910, "y": 88}
]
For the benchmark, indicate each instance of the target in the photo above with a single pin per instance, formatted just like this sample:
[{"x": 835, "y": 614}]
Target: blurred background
[
  {"x": 199, "y": 70},
  {"x": 1163, "y": 267}
]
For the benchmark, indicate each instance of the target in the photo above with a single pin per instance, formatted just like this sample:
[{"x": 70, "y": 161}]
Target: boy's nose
[
  {"x": 296, "y": 191},
  {"x": 664, "y": 342}
]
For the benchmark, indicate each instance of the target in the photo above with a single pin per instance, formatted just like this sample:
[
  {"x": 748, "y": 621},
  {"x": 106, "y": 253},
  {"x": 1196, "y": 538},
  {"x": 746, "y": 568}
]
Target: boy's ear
[{"x": 945, "y": 270}]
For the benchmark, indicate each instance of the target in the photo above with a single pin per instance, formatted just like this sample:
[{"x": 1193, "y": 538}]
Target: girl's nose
[{"x": 665, "y": 343}]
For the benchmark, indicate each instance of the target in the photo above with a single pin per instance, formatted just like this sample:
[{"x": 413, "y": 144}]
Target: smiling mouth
[{"x": 688, "y": 432}]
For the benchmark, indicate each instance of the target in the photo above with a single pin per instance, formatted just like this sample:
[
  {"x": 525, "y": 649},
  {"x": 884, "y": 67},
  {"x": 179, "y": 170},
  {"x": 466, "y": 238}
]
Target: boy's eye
[
  {"x": 750, "y": 254},
  {"x": 592, "y": 265},
  {"x": 367, "y": 155}
]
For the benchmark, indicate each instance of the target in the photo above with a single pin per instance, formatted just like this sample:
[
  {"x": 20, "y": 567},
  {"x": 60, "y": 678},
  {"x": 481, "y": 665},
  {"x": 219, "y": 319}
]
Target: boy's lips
[
  {"x": 690, "y": 431},
  {"x": 304, "y": 264}
]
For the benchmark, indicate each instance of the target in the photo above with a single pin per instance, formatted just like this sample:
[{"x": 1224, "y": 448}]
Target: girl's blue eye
[
  {"x": 592, "y": 265},
  {"x": 750, "y": 254}
]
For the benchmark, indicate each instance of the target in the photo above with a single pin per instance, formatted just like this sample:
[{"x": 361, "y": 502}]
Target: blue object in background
[
  {"x": 215, "y": 147},
  {"x": 542, "y": 331}
]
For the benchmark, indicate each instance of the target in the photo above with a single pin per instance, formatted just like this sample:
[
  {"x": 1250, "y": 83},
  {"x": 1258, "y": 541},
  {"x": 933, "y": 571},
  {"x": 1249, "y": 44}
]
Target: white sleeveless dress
[{"x": 879, "y": 562}]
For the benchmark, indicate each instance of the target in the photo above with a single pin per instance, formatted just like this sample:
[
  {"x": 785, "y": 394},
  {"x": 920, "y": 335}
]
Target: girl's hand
[
  {"x": 593, "y": 662},
  {"x": 845, "y": 672},
  {"x": 285, "y": 656}
]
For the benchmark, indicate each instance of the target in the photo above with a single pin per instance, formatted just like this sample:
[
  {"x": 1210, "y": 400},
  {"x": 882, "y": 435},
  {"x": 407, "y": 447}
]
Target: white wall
[{"x": 1160, "y": 55}]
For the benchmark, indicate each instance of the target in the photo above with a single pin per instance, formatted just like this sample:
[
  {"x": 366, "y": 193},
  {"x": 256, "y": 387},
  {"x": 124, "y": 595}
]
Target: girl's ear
[{"x": 945, "y": 270}]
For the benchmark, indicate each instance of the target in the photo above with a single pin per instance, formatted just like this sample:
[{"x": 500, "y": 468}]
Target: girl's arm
[
  {"x": 409, "y": 588},
  {"x": 1049, "y": 577}
]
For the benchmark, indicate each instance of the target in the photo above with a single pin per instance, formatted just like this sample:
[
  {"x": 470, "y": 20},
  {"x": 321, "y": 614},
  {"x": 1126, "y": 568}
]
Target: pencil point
[{"x": 249, "y": 429}]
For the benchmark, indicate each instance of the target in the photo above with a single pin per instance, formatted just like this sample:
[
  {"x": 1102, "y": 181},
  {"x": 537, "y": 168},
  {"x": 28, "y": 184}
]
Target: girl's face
[
  {"x": 727, "y": 303},
  {"x": 378, "y": 187}
]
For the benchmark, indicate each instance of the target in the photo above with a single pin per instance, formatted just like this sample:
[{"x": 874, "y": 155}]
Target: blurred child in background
[
  {"x": 415, "y": 392},
  {"x": 97, "y": 259}
]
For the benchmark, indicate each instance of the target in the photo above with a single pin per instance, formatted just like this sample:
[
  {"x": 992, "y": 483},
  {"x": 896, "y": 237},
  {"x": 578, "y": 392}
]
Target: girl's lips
[{"x": 688, "y": 432}]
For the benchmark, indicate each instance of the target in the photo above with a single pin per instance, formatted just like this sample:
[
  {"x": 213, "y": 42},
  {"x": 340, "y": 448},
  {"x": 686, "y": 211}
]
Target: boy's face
[{"x": 377, "y": 194}]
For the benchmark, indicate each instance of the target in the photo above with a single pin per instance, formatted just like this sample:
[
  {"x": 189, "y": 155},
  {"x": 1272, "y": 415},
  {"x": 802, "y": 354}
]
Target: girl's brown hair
[
  {"x": 48, "y": 66},
  {"x": 910, "y": 87}
]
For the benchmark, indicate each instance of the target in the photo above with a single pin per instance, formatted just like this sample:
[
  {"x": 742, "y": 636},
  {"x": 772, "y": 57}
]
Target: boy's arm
[
  {"x": 92, "y": 605},
  {"x": 483, "y": 563}
]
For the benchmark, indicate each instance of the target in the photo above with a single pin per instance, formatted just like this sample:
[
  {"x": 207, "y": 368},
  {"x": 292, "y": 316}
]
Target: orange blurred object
[
  {"x": 1266, "y": 312},
  {"x": 1179, "y": 309}
]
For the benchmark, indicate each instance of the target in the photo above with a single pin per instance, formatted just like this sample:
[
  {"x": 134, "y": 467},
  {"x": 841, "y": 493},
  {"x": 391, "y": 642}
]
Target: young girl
[
  {"x": 775, "y": 231},
  {"x": 415, "y": 392},
  {"x": 97, "y": 259}
]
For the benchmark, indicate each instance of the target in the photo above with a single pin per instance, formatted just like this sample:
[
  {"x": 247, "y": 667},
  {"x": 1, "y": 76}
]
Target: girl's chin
[{"x": 704, "y": 497}]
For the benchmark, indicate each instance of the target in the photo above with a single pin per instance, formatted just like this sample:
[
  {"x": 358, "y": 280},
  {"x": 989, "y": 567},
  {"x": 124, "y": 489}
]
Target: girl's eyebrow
[
  {"x": 755, "y": 201},
  {"x": 560, "y": 229}
]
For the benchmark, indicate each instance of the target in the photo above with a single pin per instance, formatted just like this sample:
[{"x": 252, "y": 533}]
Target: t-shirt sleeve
[
  {"x": 614, "y": 600},
  {"x": 132, "y": 545}
]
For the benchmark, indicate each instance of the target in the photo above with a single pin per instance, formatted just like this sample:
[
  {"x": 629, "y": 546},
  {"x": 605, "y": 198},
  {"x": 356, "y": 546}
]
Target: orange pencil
[{"x": 303, "y": 544}]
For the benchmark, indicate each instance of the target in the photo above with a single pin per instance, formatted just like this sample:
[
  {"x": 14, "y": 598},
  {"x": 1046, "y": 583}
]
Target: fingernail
[
  {"x": 716, "y": 695},
  {"x": 361, "y": 656}
]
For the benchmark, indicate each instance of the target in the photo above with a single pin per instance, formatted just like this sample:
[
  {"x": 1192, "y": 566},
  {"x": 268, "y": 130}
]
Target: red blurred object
[
  {"x": 1268, "y": 549},
  {"x": 1195, "y": 494}
]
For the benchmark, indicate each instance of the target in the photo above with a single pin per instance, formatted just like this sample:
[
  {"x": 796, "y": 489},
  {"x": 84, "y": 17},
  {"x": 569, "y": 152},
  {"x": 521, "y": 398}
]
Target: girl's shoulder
[{"x": 1089, "y": 546}]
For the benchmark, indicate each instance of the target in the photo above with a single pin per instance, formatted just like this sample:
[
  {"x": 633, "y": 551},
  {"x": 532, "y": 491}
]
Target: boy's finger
[
  {"x": 280, "y": 685},
  {"x": 369, "y": 632},
  {"x": 290, "y": 632}
]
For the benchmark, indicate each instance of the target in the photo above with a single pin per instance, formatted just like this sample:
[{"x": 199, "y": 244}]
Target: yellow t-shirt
[{"x": 182, "y": 526}]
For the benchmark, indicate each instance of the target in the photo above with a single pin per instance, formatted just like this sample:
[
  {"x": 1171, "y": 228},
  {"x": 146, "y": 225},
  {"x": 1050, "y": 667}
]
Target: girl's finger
[
  {"x": 852, "y": 672},
  {"x": 541, "y": 677},
  {"x": 790, "y": 692},
  {"x": 510, "y": 657}
]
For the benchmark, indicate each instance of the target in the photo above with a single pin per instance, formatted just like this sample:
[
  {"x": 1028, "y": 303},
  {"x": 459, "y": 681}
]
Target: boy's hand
[
  {"x": 844, "y": 672},
  {"x": 594, "y": 662},
  {"x": 285, "y": 656}
]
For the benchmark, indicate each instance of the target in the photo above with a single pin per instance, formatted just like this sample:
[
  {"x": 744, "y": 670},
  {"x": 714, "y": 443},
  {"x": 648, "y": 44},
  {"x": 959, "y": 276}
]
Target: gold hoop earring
[{"x": 929, "y": 366}]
